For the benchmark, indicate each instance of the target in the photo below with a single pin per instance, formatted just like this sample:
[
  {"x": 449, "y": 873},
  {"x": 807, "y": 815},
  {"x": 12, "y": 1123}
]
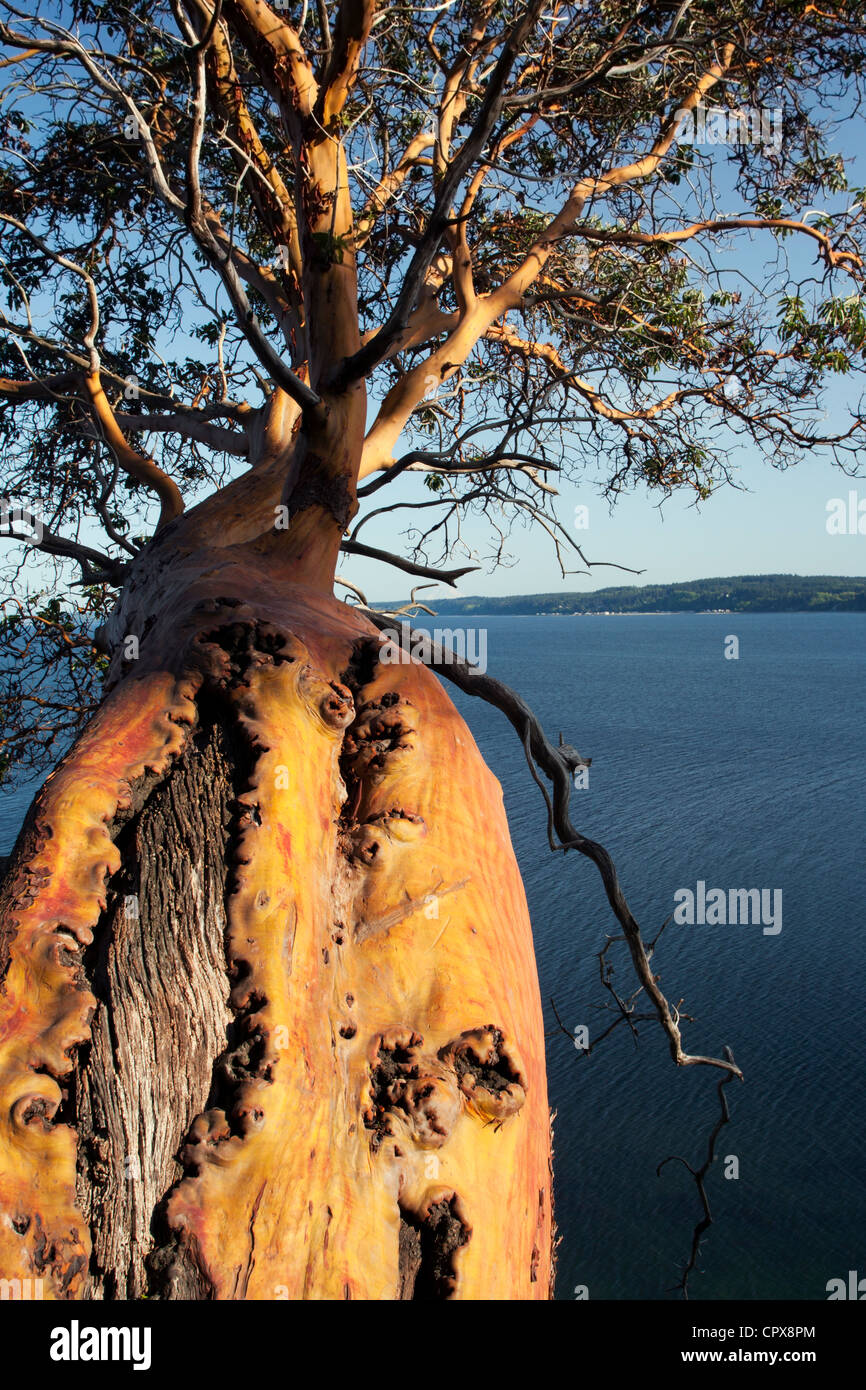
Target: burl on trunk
[{"x": 270, "y": 1025}]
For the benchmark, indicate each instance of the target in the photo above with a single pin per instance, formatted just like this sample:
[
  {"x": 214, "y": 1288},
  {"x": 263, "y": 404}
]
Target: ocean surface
[{"x": 745, "y": 773}]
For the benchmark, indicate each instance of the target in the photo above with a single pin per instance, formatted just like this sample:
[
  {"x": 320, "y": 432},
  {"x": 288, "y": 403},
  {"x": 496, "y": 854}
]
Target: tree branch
[
  {"x": 226, "y": 441},
  {"x": 351, "y": 31},
  {"x": 449, "y": 577},
  {"x": 136, "y": 465},
  {"x": 96, "y": 567},
  {"x": 377, "y": 348}
]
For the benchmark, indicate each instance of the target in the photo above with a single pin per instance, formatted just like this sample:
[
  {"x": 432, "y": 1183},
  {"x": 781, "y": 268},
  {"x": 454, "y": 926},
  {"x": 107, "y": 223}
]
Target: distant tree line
[{"x": 744, "y": 593}]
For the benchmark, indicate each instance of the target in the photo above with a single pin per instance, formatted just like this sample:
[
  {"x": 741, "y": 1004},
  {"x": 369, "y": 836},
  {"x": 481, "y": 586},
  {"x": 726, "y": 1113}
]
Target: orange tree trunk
[{"x": 270, "y": 1024}]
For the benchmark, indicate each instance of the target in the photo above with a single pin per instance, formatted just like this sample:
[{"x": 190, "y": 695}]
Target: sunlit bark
[{"x": 355, "y": 1086}]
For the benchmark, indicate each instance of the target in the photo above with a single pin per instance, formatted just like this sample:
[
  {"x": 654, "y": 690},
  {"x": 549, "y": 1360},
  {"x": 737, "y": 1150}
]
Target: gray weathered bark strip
[{"x": 162, "y": 1017}]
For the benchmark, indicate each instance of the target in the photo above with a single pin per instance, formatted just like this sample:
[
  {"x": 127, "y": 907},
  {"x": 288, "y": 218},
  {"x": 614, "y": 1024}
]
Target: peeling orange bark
[
  {"x": 53, "y": 900},
  {"x": 388, "y": 1133}
]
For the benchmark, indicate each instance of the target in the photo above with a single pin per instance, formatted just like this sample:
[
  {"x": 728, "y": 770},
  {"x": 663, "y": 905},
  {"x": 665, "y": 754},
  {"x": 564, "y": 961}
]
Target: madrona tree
[{"x": 269, "y": 1018}]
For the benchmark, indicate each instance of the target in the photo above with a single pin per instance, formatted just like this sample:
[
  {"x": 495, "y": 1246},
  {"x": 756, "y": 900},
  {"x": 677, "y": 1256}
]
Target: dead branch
[{"x": 699, "y": 1174}]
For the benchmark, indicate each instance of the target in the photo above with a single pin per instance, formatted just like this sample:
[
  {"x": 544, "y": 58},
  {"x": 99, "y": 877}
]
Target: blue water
[{"x": 743, "y": 773}]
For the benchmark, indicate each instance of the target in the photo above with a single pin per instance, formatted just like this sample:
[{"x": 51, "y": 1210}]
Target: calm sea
[{"x": 744, "y": 773}]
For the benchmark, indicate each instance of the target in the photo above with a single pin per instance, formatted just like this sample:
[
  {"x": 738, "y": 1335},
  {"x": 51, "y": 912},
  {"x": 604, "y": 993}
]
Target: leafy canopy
[{"x": 489, "y": 212}]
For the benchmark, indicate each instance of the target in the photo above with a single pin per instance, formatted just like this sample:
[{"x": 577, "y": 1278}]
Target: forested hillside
[{"x": 744, "y": 593}]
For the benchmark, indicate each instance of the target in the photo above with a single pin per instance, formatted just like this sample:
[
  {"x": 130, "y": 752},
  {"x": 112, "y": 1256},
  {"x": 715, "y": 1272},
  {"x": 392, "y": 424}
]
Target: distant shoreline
[
  {"x": 649, "y": 613},
  {"x": 736, "y": 594}
]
